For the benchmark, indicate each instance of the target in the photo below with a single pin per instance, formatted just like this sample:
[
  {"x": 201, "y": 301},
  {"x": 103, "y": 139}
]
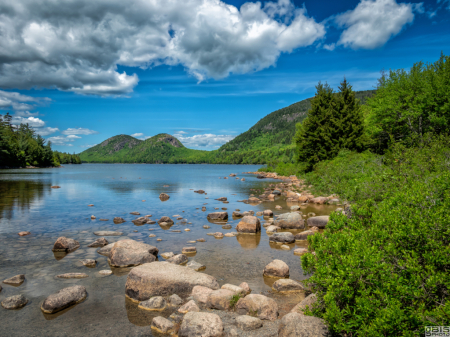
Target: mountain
[{"x": 268, "y": 140}]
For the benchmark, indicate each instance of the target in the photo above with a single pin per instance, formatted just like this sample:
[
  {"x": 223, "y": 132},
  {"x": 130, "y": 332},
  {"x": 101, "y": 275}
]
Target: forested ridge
[{"x": 21, "y": 146}]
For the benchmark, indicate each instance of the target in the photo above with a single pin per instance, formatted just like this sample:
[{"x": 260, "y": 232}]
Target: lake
[{"x": 28, "y": 203}]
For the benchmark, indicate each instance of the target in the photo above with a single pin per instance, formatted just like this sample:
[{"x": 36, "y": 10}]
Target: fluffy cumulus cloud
[
  {"x": 373, "y": 22},
  {"x": 63, "y": 140},
  {"x": 139, "y": 134},
  {"x": 78, "y": 45},
  {"x": 78, "y": 131},
  {"x": 19, "y": 103},
  {"x": 203, "y": 141}
]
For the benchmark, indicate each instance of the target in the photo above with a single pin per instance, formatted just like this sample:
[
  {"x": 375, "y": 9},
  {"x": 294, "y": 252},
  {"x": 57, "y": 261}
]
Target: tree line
[{"x": 21, "y": 146}]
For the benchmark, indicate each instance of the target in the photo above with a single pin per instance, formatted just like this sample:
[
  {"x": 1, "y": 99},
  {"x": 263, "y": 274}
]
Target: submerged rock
[
  {"x": 15, "y": 280},
  {"x": 14, "y": 302},
  {"x": 167, "y": 255},
  {"x": 201, "y": 324},
  {"x": 162, "y": 325},
  {"x": 218, "y": 216},
  {"x": 72, "y": 275},
  {"x": 63, "y": 299},
  {"x": 128, "y": 253},
  {"x": 24, "y": 233},
  {"x": 163, "y": 279},
  {"x": 287, "y": 286},
  {"x": 106, "y": 249},
  {"x": 118, "y": 220},
  {"x": 101, "y": 242},
  {"x": 196, "y": 266},
  {"x": 64, "y": 244},
  {"x": 108, "y": 233},
  {"x": 284, "y": 237},
  {"x": 89, "y": 262},
  {"x": 189, "y": 250},
  {"x": 307, "y": 302},
  {"x": 156, "y": 303}
]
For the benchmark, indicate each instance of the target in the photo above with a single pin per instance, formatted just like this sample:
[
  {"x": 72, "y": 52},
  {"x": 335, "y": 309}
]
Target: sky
[{"x": 81, "y": 71}]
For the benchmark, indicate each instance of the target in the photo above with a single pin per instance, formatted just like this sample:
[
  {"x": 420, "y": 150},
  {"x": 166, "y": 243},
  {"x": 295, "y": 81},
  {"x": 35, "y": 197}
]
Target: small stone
[
  {"x": 156, "y": 303},
  {"x": 190, "y": 306},
  {"x": 64, "y": 244},
  {"x": 276, "y": 268},
  {"x": 201, "y": 293},
  {"x": 105, "y": 272},
  {"x": 93, "y": 217},
  {"x": 101, "y": 242},
  {"x": 90, "y": 205},
  {"x": 158, "y": 239},
  {"x": 229, "y": 235},
  {"x": 284, "y": 237},
  {"x": 175, "y": 300},
  {"x": 89, "y": 262},
  {"x": 201, "y": 240},
  {"x": 167, "y": 255},
  {"x": 135, "y": 213},
  {"x": 218, "y": 216},
  {"x": 287, "y": 286},
  {"x": 14, "y": 302},
  {"x": 72, "y": 275},
  {"x": 118, "y": 220},
  {"x": 164, "y": 197},
  {"x": 179, "y": 259},
  {"x": 24, "y": 233},
  {"x": 206, "y": 227},
  {"x": 246, "y": 287},
  {"x": 55, "y": 186},
  {"x": 218, "y": 235},
  {"x": 108, "y": 233},
  {"x": 196, "y": 266},
  {"x": 187, "y": 230},
  {"x": 248, "y": 323},
  {"x": 63, "y": 299},
  {"x": 15, "y": 280},
  {"x": 162, "y": 325},
  {"x": 152, "y": 236},
  {"x": 300, "y": 251}
]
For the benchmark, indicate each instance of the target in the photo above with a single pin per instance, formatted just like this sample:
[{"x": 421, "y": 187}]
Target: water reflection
[{"x": 249, "y": 241}]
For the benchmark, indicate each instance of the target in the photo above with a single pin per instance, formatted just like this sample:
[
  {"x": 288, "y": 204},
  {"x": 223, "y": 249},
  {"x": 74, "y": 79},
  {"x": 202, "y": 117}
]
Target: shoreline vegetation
[{"x": 22, "y": 147}]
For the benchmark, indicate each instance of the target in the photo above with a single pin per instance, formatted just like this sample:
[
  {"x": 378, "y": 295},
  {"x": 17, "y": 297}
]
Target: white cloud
[
  {"x": 77, "y": 46},
  {"x": 88, "y": 146},
  {"x": 18, "y": 102},
  {"x": 204, "y": 140},
  {"x": 140, "y": 134},
  {"x": 62, "y": 140},
  {"x": 31, "y": 121},
  {"x": 444, "y": 1},
  {"x": 46, "y": 131},
  {"x": 73, "y": 137},
  {"x": 79, "y": 131},
  {"x": 329, "y": 47},
  {"x": 373, "y": 22}
]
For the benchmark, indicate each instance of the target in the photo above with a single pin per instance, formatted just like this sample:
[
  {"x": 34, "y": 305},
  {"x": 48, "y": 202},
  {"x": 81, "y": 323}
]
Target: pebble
[{"x": 105, "y": 272}]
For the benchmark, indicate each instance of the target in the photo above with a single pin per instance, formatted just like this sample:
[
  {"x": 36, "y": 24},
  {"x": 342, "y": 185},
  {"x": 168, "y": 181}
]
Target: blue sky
[{"x": 142, "y": 70}]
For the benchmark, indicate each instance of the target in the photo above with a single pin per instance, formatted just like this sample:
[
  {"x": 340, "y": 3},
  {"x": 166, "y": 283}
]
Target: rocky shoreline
[{"x": 191, "y": 302}]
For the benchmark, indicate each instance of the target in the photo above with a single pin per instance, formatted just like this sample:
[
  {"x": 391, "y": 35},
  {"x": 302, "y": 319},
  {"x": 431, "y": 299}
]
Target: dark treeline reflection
[{"x": 20, "y": 194}]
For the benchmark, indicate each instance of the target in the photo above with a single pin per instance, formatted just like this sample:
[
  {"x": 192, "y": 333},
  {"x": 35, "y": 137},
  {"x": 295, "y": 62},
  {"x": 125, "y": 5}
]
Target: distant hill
[{"x": 268, "y": 140}]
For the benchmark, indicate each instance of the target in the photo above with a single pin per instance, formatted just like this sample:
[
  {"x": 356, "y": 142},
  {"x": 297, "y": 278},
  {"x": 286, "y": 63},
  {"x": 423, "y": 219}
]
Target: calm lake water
[{"x": 27, "y": 203}]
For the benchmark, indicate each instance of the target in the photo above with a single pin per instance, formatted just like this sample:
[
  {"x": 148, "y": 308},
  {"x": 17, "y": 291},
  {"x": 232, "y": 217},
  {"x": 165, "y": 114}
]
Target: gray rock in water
[
  {"x": 189, "y": 250},
  {"x": 190, "y": 306},
  {"x": 14, "y": 302},
  {"x": 180, "y": 259},
  {"x": 64, "y": 244},
  {"x": 72, "y": 275},
  {"x": 264, "y": 307},
  {"x": 290, "y": 221},
  {"x": 227, "y": 227},
  {"x": 118, "y": 220},
  {"x": 164, "y": 196},
  {"x": 128, "y": 253},
  {"x": 163, "y": 279},
  {"x": 206, "y": 227},
  {"x": 135, "y": 213},
  {"x": 101, "y": 242},
  {"x": 218, "y": 216},
  {"x": 63, "y": 299},
  {"x": 295, "y": 208},
  {"x": 220, "y": 299},
  {"x": 284, "y": 237},
  {"x": 156, "y": 303},
  {"x": 108, "y": 233},
  {"x": 287, "y": 286},
  {"x": 294, "y": 324},
  {"x": 140, "y": 221},
  {"x": 195, "y": 265},
  {"x": 15, "y": 280},
  {"x": 162, "y": 325},
  {"x": 201, "y": 324},
  {"x": 318, "y": 221},
  {"x": 249, "y": 224},
  {"x": 304, "y": 235},
  {"x": 175, "y": 300},
  {"x": 105, "y": 272},
  {"x": 106, "y": 250},
  {"x": 89, "y": 262},
  {"x": 167, "y": 255},
  {"x": 165, "y": 219},
  {"x": 237, "y": 214},
  {"x": 248, "y": 323},
  {"x": 276, "y": 268}
]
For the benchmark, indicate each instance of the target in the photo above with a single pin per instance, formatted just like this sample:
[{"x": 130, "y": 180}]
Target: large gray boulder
[
  {"x": 63, "y": 299},
  {"x": 263, "y": 306},
  {"x": 296, "y": 325},
  {"x": 128, "y": 253},
  {"x": 291, "y": 220},
  {"x": 164, "y": 279},
  {"x": 196, "y": 324},
  {"x": 318, "y": 221},
  {"x": 64, "y": 244},
  {"x": 249, "y": 224},
  {"x": 284, "y": 237},
  {"x": 218, "y": 216}
]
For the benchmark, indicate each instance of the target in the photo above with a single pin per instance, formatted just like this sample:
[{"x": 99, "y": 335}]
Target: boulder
[
  {"x": 64, "y": 244},
  {"x": 290, "y": 221},
  {"x": 319, "y": 200},
  {"x": 164, "y": 196},
  {"x": 237, "y": 214},
  {"x": 284, "y": 237},
  {"x": 89, "y": 262},
  {"x": 287, "y": 286},
  {"x": 163, "y": 279},
  {"x": 14, "y": 302},
  {"x": 248, "y": 323},
  {"x": 235, "y": 289},
  {"x": 272, "y": 229},
  {"x": 15, "y": 280},
  {"x": 249, "y": 224},
  {"x": 175, "y": 300},
  {"x": 167, "y": 255},
  {"x": 179, "y": 259},
  {"x": 63, "y": 299},
  {"x": 220, "y": 299},
  {"x": 245, "y": 286},
  {"x": 276, "y": 268},
  {"x": 108, "y": 233},
  {"x": 106, "y": 250},
  {"x": 163, "y": 325},
  {"x": 101, "y": 242},
  {"x": 201, "y": 324},
  {"x": 127, "y": 253},
  {"x": 218, "y": 216},
  {"x": 165, "y": 219},
  {"x": 262, "y": 306},
  {"x": 118, "y": 220},
  {"x": 140, "y": 221},
  {"x": 156, "y": 303},
  {"x": 304, "y": 235},
  {"x": 307, "y": 302},
  {"x": 196, "y": 266},
  {"x": 72, "y": 275},
  {"x": 190, "y": 306},
  {"x": 296, "y": 325},
  {"x": 268, "y": 212},
  {"x": 189, "y": 250},
  {"x": 318, "y": 221},
  {"x": 200, "y": 294}
]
